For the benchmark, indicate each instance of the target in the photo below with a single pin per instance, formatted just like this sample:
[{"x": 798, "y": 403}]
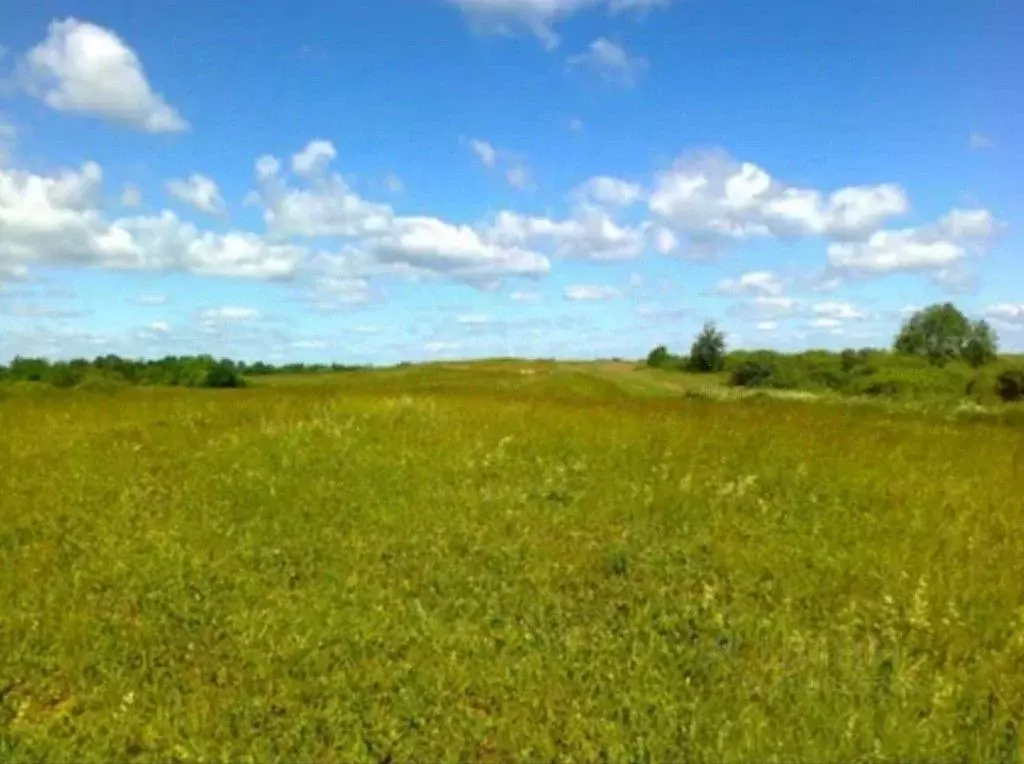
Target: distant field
[{"x": 505, "y": 562}]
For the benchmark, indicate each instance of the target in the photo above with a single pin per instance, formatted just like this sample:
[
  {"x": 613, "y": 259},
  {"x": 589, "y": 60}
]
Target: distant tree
[
  {"x": 981, "y": 345},
  {"x": 941, "y": 333},
  {"x": 708, "y": 350},
  {"x": 658, "y": 357}
]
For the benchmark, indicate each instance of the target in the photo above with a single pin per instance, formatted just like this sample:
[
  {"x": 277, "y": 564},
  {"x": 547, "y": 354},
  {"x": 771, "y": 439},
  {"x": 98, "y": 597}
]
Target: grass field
[{"x": 505, "y": 562}]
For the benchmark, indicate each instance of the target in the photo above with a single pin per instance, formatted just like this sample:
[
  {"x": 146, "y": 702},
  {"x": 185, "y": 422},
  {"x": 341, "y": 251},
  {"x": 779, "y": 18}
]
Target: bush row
[{"x": 875, "y": 373}]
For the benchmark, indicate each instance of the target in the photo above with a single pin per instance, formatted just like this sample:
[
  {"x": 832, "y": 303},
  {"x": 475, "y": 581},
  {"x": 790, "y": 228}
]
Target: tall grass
[{"x": 451, "y": 565}]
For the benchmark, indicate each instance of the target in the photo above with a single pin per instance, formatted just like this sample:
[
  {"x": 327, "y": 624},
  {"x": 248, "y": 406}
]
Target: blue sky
[{"x": 373, "y": 182}]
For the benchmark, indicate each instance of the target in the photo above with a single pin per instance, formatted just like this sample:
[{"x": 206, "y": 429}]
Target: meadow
[{"x": 506, "y": 562}]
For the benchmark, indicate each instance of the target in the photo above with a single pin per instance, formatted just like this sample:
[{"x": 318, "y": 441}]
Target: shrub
[
  {"x": 1010, "y": 385},
  {"x": 658, "y": 358},
  {"x": 222, "y": 375}
]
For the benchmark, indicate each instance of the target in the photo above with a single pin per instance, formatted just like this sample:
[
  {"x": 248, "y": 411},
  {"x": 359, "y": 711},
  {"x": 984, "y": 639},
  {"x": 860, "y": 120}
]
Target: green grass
[{"x": 475, "y": 563}]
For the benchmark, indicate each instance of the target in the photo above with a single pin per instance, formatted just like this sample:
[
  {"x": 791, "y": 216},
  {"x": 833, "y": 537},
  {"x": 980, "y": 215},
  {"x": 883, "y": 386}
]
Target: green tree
[
  {"x": 658, "y": 357},
  {"x": 981, "y": 345},
  {"x": 708, "y": 350},
  {"x": 941, "y": 333}
]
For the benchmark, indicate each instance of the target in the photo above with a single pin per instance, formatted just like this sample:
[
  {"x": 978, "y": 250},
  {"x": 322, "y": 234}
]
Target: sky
[{"x": 373, "y": 182}]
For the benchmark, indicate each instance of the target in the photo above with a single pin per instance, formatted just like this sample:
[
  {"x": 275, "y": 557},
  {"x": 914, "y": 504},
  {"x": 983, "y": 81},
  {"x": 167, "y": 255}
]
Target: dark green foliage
[
  {"x": 981, "y": 345},
  {"x": 941, "y": 333},
  {"x": 708, "y": 351},
  {"x": 658, "y": 358},
  {"x": 1010, "y": 385},
  {"x": 223, "y": 375}
]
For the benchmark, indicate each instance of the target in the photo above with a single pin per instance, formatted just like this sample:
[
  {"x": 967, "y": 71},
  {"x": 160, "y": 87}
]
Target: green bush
[
  {"x": 658, "y": 358},
  {"x": 223, "y": 375},
  {"x": 1010, "y": 385}
]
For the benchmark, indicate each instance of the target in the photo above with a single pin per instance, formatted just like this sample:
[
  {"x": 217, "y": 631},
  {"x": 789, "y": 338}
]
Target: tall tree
[
  {"x": 941, "y": 333},
  {"x": 708, "y": 350}
]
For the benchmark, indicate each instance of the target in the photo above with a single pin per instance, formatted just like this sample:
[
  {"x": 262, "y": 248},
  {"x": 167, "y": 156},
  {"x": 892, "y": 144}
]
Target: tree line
[
  {"x": 175, "y": 371},
  {"x": 938, "y": 351}
]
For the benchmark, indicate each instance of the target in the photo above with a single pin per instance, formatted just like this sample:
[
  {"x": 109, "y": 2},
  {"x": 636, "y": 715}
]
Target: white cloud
[
  {"x": 267, "y": 167},
  {"x": 485, "y": 152},
  {"x": 576, "y": 125},
  {"x": 519, "y": 177},
  {"x": 610, "y": 191},
  {"x": 199, "y": 192},
  {"x": 159, "y": 327},
  {"x": 538, "y": 16},
  {"x": 1007, "y": 313},
  {"x": 229, "y": 313},
  {"x": 766, "y": 307},
  {"x": 978, "y": 140},
  {"x": 934, "y": 247},
  {"x": 519, "y": 296},
  {"x": 826, "y": 323},
  {"x": 665, "y": 242},
  {"x": 767, "y": 326},
  {"x": 393, "y": 184},
  {"x": 55, "y": 220},
  {"x": 590, "y": 292},
  {"x": 611, "y": 62},
  {"x": 590, "y": 235},
  {"x": 309, "y": 344},
  {"x": 314, "y": 158},
  {"x": 710, "y": 197},
  {"x": 151, "y": 299},
  {"x": 131, "y": 196},
  {"x": 753, "y": 282},
  {"x": 330, "y": 209},
  {"x": 86, "y": 69},
  {"x": 456, "y": 250},
  {"x": 837, "y": 310}
]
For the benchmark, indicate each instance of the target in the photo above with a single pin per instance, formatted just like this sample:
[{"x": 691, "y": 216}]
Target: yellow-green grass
[{"x": 474, "y": 563}]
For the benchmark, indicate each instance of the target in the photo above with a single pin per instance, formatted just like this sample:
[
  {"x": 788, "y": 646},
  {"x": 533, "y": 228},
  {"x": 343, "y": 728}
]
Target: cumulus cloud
[
  {"x": 589, "y": 235},
  {"x": 313, "y": 159},
  {"x": 752, "y": 282},
  {"x": 610, "y": 61},
  {"x": 86, "y": 69},
  {"x": 935, "y": 247},
  {"x": 456, "y": 250},
  {"x": 591, "y": 292},
  {"x": 56, "y": 220},
  {"x": 711, "y": 198},
  {"x": 199, "y": 192}
]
